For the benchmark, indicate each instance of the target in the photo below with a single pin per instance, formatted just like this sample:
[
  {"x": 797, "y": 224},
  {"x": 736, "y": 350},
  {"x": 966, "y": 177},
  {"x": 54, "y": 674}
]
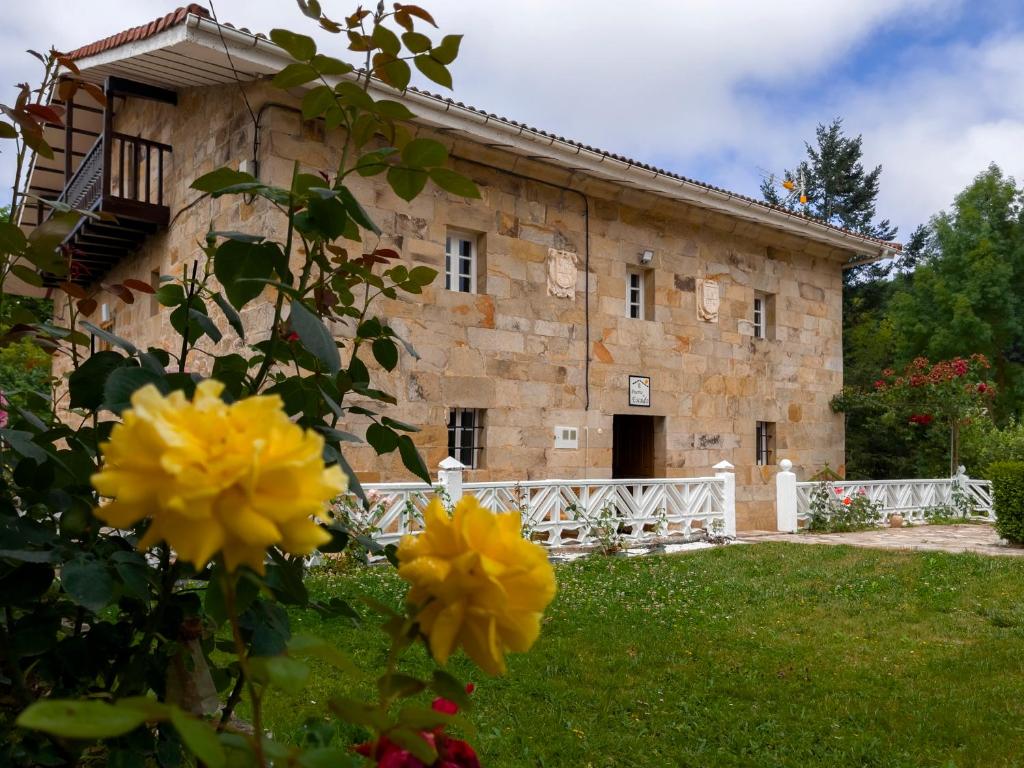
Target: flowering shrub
[
  {"x": 947, "y": 393},
  {"x": 833, "y": 510},
  {"x": 151, "y": 544}
]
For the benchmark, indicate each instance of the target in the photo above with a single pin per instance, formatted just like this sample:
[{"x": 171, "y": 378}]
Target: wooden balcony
[{"x": 121, "y": 177}]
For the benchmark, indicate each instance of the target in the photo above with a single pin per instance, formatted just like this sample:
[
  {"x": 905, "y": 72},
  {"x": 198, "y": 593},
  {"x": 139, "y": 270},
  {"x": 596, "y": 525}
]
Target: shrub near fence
[{"x": 1008, "y": 498}]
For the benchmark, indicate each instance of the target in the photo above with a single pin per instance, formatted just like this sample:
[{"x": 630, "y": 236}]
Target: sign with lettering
[{"x": 640, "y": 391}]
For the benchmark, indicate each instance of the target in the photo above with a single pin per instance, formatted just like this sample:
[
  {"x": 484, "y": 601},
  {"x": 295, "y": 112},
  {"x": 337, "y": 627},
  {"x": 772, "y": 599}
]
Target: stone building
[{"x": 599, "y": 317}]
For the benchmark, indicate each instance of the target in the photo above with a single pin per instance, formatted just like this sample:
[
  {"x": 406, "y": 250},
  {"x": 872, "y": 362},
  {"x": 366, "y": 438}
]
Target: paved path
[{"x": 981, "y": 539}]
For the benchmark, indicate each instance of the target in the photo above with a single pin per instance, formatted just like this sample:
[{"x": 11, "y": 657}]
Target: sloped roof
[{"x": 181, "y": 15}]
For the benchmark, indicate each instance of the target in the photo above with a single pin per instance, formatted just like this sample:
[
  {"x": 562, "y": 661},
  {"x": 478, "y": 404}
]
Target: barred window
[
  {"x": 465, "y": 435},
  {"x": 764, "y": 438},
  {"x": 460, "y": 262}
]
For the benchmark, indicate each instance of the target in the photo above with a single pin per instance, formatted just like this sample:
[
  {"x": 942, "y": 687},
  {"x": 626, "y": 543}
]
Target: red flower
[
  {"x": 959, "y": 367},
  {"x": 924, "y": 419},
  {"x": 444, "y": 706},
  {"x": 982, "y": 388},
  {"x": 293, "y": 336},
  {"x": 839, "y": 491},
  {"x": 455, "y": 753},
  {"x": 846, "y": 501},
  {"x": 880, "y": 384}
]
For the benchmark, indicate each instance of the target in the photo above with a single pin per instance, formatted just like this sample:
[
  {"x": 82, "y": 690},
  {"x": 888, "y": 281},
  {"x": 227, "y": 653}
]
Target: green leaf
[
  {"x": 12, "y": 239},
  {"x": 85, "y": 384},
  {"x": 392, "y": 70},
  {"x": 354, "y": 95},
  {"x": 294, "y": 75},
  {"x": 314, "y": 336},
  {"x": 447, "y": 686},
  {"x": 236, "y": 263},
  {"x": 330, "y": 757},
  {"x": 395, "y": 424},
  {"x": 22, "y": 444},
  {"x": 108, "y": 337},
  {"x": 80, "y": 719},
  {"x": 383, "y": 439},
  {"x": 448, "y": 50},
  {"x": 283, "y": 672},
  {"x": 422, "y": 275},
  {"x": 416, "y": 43},
  {"x": 394, "y": 110},
  {"x": 206, "y": 324},
  {"x": 199, "y": 737},
  {"x": 397, "y": 684},
  {"x": 433, "y": 70},
  {"x": 124, "y": 382},
  {"x": 386, "y": 40},
  {"x": 170, "y": 295},
  {"x": 356, "y": 211},
  {"x": 316, "y": 102},
  {"x": 327, "y": 216},
  {"x": 327, "y": 65},
  {"x": 233, "y": 318},
  {"x": 453, "y": 182},
  {"x": 424, "y": 153},
  {"x": 299, "y": 46},
  {"x": 28, "y": 275},
  {"x": 217, "y": 181},
  {"x": 407, "y": 182},
  {"x": 7, "y": 131},
  {"x": 411, "y": 458},
  {"x": 386, "y": 353},
  {"x": 88, "y": 583}
]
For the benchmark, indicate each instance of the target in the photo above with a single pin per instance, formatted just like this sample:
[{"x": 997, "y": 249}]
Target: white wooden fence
[
  {"x": 914, "y": 500},
  {"x": 560, "y": 513}
]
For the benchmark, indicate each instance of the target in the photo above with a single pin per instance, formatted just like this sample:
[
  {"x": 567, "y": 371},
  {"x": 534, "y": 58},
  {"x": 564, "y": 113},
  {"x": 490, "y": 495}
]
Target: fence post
[
  {"x": 785, "y": 498},
  {"x": 449, "y": 477},
  {"x": 724, "y": 472}
]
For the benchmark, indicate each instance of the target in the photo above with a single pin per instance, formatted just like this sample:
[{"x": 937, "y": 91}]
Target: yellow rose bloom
[
  {"x": 213, "y": 477},
  {"x": 478, "y": 582}
]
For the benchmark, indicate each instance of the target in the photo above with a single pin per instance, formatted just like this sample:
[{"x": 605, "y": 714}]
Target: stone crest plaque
[
  {"x": 562, "y": 273},
  {"x": 708, "y": 300}
]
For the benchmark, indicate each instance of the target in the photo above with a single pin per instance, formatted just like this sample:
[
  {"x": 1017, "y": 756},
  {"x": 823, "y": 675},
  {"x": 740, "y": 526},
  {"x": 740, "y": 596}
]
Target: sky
[{"x": 723, "y": 91}]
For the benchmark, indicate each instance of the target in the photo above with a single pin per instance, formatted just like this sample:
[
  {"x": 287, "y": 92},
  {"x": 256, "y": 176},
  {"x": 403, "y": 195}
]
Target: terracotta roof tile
[{"x": 142, "y": 32}]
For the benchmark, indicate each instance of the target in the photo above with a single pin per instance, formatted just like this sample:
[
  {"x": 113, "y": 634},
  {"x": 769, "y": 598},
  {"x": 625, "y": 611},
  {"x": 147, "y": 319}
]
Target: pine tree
[{"x": 839, "y": 190}]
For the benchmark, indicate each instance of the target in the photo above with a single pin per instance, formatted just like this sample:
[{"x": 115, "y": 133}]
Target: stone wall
[{"x": 520, "y": 353}]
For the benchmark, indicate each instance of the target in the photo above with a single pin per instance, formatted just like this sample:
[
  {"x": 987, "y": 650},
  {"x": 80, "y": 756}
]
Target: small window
[
  {"x": 765, "y": 441},
  {"x": 764, "y": 316},
  {"x": 634, "y": 294},
  {"x": 465, "y": 436},
  {"x": 460, "y": 262}
]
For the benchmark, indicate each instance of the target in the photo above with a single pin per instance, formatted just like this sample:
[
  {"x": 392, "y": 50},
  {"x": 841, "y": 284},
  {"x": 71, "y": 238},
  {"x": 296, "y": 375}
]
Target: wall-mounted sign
[
  {"x": 709, "y": 299},
  {"x": 640, "y": 391}
]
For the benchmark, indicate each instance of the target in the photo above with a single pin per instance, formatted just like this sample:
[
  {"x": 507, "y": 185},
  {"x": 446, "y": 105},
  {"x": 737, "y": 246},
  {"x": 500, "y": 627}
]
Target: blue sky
[{"x": 713, "y": 90}]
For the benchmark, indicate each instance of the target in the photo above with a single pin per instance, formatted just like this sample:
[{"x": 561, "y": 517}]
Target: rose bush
[{"x": 154, "y": 522}]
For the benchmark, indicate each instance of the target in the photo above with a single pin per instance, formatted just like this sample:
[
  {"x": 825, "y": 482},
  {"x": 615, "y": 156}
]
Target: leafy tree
[
  {"x": 838, "y": 188},
  {"x": 964, "y": 295}
]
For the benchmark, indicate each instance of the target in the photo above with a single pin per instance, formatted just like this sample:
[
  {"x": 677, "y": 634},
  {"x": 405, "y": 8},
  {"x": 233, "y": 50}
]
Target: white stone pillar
[
  {"x": 724, "y": 472},
  {"x": 449, "y": 477},
  {"x": 785, "y": 498}
]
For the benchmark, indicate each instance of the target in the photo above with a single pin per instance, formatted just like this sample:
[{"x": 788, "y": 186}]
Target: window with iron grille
[
  {"x": 465, "y": 435},
  {"x": 634, "y": 294},
  {"x": 764, "y": 437},
  {"x": 460, "y": 262}
]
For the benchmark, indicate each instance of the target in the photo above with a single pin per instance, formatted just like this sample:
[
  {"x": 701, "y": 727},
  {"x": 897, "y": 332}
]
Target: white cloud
[{"x": 683, "y": 83}]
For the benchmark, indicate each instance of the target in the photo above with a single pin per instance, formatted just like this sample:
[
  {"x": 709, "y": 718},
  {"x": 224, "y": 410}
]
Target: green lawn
[{"x": 763, "y": 655}]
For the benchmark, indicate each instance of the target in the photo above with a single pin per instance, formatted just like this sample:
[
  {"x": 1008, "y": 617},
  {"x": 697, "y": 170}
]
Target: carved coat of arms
[
  {"x": 708, "y": 300},
  {"x": 562, "y": 273}
]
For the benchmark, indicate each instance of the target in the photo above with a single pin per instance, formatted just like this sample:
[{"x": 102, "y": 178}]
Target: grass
[{"x": 763, "y": 655}]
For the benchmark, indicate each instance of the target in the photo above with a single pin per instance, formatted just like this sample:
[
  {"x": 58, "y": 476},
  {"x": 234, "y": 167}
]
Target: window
[
  {"x": 764, "y": 438},
  {"x": 465, "y": 435},
  {"x": 764, "y": 316},
  {"x": 460, "y": 262},
  {"x": 634, "y": 294}
]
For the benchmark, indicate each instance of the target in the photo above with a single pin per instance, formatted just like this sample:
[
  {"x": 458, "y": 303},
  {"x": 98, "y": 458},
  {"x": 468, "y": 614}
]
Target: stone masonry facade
[{"x": 512, "y": 350}]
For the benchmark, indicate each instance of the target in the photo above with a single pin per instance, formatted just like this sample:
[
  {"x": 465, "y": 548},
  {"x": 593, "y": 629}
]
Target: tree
[
  {"x": 839, "y": 190},
  {"x": 964, "y": 296}
]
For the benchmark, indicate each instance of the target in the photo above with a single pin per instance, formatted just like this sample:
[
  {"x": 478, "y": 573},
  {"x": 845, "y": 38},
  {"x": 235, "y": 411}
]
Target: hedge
[{"x": 1008, "y": 498}]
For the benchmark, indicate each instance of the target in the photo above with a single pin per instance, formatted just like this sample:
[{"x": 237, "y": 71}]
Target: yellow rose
[
  {"x": 478, "y": 582},
  {"x": 214, "y": 477}
]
